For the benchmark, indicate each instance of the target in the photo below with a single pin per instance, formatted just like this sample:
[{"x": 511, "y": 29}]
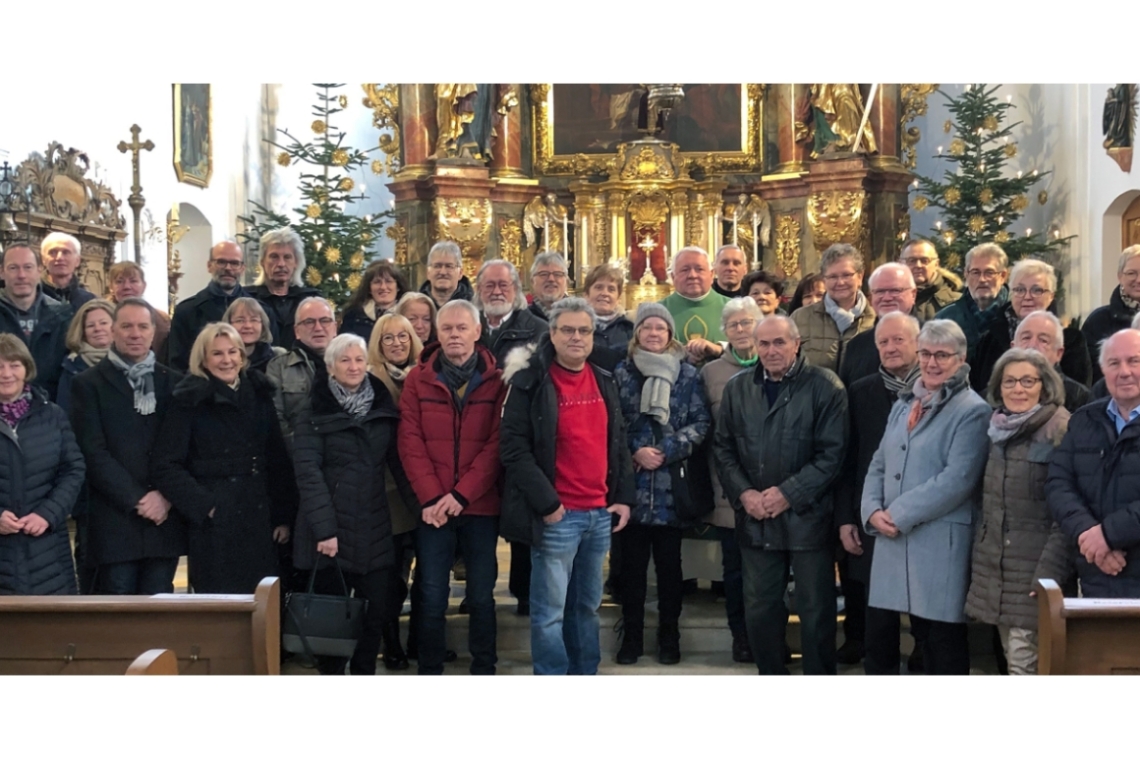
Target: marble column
[
  {"x": 789, "y": 99},
  {"x": 417, "y": 127},
  {"x": 884, "y": 124},
  {"x": 507, "y": 159}
]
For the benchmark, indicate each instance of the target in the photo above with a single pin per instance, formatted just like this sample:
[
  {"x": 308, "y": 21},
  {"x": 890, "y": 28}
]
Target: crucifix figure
[{"x": 135, "y": 200}]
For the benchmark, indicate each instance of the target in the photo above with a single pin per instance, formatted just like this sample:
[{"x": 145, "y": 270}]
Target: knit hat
[{"x": 651, "y": 309}]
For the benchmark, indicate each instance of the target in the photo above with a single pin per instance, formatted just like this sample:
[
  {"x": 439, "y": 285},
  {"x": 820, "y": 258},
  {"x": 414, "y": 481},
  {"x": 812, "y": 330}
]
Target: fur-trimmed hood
[{"x": 192, "y": 389}]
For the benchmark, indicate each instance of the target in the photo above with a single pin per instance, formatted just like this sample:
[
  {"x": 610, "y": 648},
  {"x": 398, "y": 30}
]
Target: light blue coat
[{"x": 929, "y": 482}]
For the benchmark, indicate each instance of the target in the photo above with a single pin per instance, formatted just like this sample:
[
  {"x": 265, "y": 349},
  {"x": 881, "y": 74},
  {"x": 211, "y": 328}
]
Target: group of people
[{"x": 943, "y": 444}]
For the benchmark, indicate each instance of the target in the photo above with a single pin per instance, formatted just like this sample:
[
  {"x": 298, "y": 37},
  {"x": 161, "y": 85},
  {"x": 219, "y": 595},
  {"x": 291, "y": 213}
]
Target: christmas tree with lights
[
  {"x": 978, "y": 199},
  {"x": 336, "y": 242}
]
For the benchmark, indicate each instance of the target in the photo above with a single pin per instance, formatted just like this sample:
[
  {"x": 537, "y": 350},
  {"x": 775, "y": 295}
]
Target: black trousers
[
  {"x": 372, "y": 587},
  {"x": 519, "y": 581},
  {"x": 854, "y": 603},
  {"x": 664, "y": 544},
  {"x": 945, "y": 646}
]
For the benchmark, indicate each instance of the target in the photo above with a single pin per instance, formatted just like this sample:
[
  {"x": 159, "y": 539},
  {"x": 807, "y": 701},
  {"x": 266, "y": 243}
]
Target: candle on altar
[
  {"x": 546, "y": 233},
  {"x": 566, "y": 236},
  {"x": 735, "y": 216},
  {"x": 755, "y": 241}
]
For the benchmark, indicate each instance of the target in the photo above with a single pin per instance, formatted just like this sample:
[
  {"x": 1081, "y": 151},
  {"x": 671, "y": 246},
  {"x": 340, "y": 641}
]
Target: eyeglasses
[
  {"x": 741, "y": 324},
  {"x": 550, "y": 275},
  {"x": 227, "y": 263},
  {"x": 893, "y": 292},
  {"x": 844, "y": 277},
  {"x": 570, "y": 332},
  {"x": 493, "y": 286},
  {"x": 917, "y": 261},
  {"x": 393, "y": 338},
  {"x": 1036, "y": 291},
  {"x": 443, "y": 266},
  {"x": 940, "y": 357},
  {"x": 984, "y": 274},
  {"x": 1026, "y": 382},
  {"x": 245, "y": 321},
  {"x": 309, "y": 324}
]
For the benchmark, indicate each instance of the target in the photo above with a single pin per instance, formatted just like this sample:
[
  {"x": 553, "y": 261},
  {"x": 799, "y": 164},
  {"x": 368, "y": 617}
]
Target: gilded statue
[
  {"x": 837, "y": 110},
  {"x": 451, "y": 114},
  {"x": 1119, "y": 116},
  {"x": 542, "y": 213}
]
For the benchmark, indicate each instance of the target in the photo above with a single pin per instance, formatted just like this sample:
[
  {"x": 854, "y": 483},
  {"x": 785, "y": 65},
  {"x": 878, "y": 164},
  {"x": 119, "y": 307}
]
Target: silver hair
[
  {"x": 56, "y": 238},
  {"x": 282, "y": 236},
  {"x": 520, "y": 299},
  {"x": 893, "y": 266},
  {"x": 316, "y": 299},
  {"x": 548, "y": 258},
  {"x": 458, "y": 303},
  {"x": 793, "y": 329},
  {"x": 729, "y": 247},
  {"x": 1105, "y": 344},
  {"x": 1052, "y": 386},
  {"x": 944, "y": 332},
  {"x": 988, "y": 251},
  {"x": 340, "y": 344},
  {"x": 446, "y": 248},
  {"x": 692, "y": 249},
  {"x": 1128, "y": 253},
  {"x": 571, "y": 305},
  {"x": 898, "y": 316},
  {"x": 1058, "y": 328},
  {"x": 838, "y": 251},
  {"x": 737, "y": 305},
  {"x": 1031, "y": 267}
]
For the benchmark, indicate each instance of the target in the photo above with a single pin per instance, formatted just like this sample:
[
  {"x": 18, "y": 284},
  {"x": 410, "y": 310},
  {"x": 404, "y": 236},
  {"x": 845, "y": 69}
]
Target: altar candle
[
  {"x": 566, "y": 236},
  {"x": 755, "y": 242},
  {"x": 735, "y": 215},
  {"x": 546, "y": 233}
]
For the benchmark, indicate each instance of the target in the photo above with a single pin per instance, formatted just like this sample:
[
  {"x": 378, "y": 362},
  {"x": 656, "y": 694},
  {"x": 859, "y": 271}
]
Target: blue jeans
[
  {"x": 153, "y": 575},
  {"x": 435, "y": 554},
  {"x": 566, "y": 592}
]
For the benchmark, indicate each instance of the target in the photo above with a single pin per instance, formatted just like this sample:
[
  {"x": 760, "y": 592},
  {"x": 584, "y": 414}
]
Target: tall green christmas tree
[
  {"x": 336, "y": 242},
  {"x": 978, "y": 199}
]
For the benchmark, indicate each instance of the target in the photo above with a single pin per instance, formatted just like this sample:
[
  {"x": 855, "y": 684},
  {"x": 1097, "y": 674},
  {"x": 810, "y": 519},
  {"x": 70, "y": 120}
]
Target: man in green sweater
[{"x": 695, "y": 306}]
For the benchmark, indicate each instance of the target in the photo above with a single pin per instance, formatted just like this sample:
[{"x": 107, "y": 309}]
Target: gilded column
[
  {"x": 884, "y": 123},
  {"x": 791, "y": 103},
  {"x": 506, "y": 161},
  {"x": 616, "y": 207},
  {"x": 417, "y": 126}
]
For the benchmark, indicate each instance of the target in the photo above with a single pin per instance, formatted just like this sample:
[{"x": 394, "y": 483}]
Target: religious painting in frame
[
  {"x": 193, "y": 134},
  {"x": 579, "y": 126}
]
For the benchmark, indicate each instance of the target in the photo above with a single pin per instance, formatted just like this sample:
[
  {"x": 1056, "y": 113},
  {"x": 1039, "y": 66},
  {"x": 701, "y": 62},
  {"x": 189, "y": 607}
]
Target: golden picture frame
[
  {"x": 193, "y": 134},
  {"x": 583, "y": 145}
]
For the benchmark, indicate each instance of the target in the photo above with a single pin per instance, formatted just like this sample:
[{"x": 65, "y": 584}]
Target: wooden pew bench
[
  {"x": 1086, "y": 636},
  {"x": 231, "y": 634}
]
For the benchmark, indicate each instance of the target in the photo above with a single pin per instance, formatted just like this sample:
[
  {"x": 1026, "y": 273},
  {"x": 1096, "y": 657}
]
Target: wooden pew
[
  {"x": 154, "y": 662},
  {"x": 232, "y": 634},
  {"x": 1086, "y": 636}
]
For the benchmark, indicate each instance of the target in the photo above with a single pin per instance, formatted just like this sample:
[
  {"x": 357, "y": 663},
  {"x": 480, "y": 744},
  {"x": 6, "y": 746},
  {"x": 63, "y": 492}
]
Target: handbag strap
[{"x": 316, "y": 566}]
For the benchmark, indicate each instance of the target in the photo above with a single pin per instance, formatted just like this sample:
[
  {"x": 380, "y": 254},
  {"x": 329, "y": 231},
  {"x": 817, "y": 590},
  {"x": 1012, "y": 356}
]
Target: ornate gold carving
[
  {"x": 398, "y": 233},
  {"x": 650, "y": 162},
  {"x": 648, "y": 209},
  {"x": 385, "y": 104},
  {"x": 837, "y": 216},
  {"x": 60, "y": 188},
  {"x": 913, "y": 105},
  {"x": 750, "y": 159},
  {"x": 174, "y": 235},
  {"x": 788, "y": 244},
  {"x": 510, "y": 242},
  {"x": 467, "y": 222}
]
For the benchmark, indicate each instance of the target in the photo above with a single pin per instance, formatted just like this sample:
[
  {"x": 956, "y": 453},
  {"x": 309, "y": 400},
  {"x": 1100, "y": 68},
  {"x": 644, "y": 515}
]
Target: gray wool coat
[{"x": 929, "y": 482}]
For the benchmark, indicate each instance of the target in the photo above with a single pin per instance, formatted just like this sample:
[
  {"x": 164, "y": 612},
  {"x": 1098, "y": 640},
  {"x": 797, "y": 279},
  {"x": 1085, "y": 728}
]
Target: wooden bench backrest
[
  {"x": 233, "y": 634},
  {"x": 1086, "y": 636},
  {"x": 154, "y": 662}
]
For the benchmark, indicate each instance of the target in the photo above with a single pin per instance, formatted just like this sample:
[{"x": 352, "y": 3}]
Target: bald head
[
  {"x": 226, "y": 265},
  {"x": 1120, "y": 362}
]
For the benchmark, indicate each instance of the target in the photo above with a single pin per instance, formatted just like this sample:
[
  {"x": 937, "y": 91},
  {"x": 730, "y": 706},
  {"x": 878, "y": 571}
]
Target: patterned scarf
[
  {"x": 457, "y": 376},
  {"x": 141, "y": 379},
  {"x": 14, "y": 411},
  {"x": 896, "y": 386},
  {"x": 605, "y": 321},
  {"x": 358, "y": 402},
  {"x": 660, "y": 371},
  {"x": 1011, "y": 318},
  {"x": 844, "y": 318},
  {"x": 1004, "y": 425},
  {"x": 89, "y": 353},
  {"x": 398, "y": 373},
  {"x": 1129, "y": 303},
  {"x": 925, "y": 400}
]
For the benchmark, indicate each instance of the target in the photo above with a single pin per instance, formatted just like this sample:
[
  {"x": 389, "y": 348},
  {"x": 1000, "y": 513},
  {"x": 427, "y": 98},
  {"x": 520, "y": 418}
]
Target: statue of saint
[
  {"x": 1119, "y": 116},
  {"x": 451, "y": 114},
  {"x": 837, "y": 110}
]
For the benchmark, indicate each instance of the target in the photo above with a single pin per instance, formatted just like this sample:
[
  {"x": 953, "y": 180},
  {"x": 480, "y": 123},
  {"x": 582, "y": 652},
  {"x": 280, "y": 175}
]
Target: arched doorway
[
  {"x": 1121, "y": 219},
  {"x": 193, "y": 251}
]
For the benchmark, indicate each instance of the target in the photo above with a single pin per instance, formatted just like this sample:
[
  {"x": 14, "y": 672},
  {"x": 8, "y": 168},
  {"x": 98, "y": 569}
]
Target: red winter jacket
[{"x": 444, "y": 451}]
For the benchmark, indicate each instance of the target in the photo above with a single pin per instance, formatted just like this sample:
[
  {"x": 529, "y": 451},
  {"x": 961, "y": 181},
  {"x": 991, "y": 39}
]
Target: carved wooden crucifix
[{"x": 135, "y": 200}]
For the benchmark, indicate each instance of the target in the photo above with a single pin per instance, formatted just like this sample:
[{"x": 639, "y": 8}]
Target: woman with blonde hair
[
  {"x": 88, "y": 338},
  {"x": 393, "y": 349},
  {"x": 420, "y": 310},
  {"x": 221, "y": 461}
]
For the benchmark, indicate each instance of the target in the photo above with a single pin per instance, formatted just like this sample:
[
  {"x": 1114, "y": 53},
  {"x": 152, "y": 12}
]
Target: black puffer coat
[
  {"x": 41, "y": 471},
  {"x": 1094, "y": 480},
  {"x": 1103, "y": 322},
  {"x": 222, "y": 450},
  {"x": 340, "y": 463},
  {"x": 1018, "y": 542}
]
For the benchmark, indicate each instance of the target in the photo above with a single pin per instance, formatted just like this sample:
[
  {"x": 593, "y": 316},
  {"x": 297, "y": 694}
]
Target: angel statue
[
  {"x": 753, "y": 212},
  {"x": 837, "y": 111},
  {"x": 539, "y": 214}
]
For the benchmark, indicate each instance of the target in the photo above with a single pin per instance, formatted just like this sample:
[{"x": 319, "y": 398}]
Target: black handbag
[
  {"x": 322, "y": 624},
  {"x": 690, "y": 483}
]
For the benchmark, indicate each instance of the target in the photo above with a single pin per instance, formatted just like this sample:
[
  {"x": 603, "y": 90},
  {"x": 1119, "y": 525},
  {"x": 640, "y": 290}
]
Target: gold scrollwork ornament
[
  {"x": 398, "y": 233},
  {"x": 384, "y": 100},
  {"x": 913, "y": 105},
  {"x": 788, "y": 244},
  {"x": 836, "y": 216},
  {"x": 510, "y": 242}
]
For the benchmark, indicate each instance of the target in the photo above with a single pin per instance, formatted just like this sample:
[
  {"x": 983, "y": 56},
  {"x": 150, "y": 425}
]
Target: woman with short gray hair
[
  {"x": 919, "y": 501},
  {"x": 1018, "y": 542}
]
